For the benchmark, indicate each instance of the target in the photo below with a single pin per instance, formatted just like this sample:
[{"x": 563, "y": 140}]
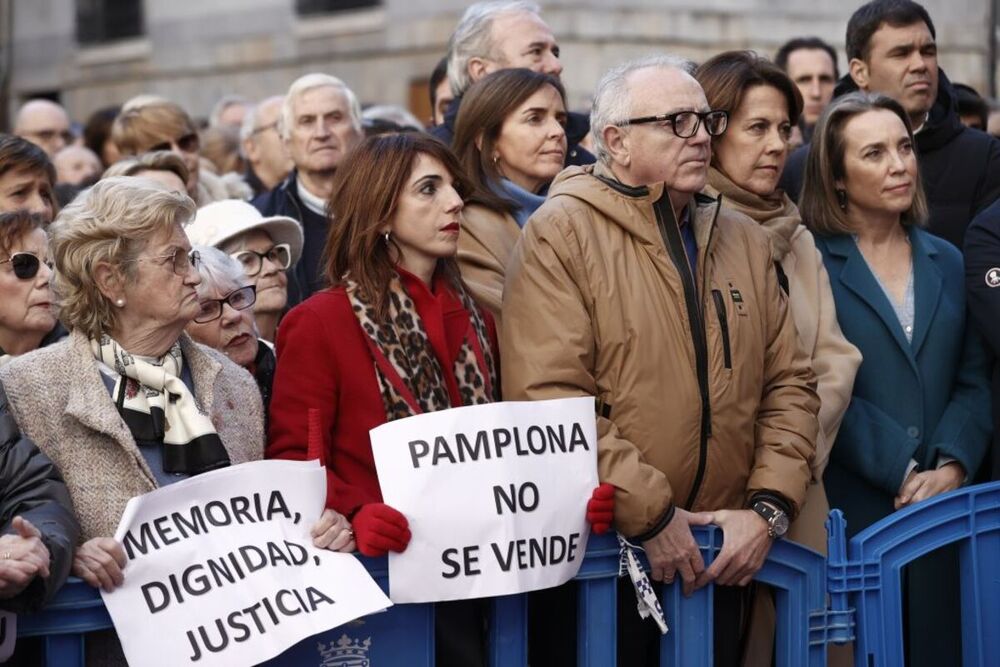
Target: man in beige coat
[{"x": 667, "y": 309}]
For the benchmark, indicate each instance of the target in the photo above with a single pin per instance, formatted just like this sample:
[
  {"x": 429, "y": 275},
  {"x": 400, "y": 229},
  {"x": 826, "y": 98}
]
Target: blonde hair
[
  {"x": 140, "y": 126},
  {"x": 112, "y": 223},
  {"x": 154, "y": 161},
  {"x": 825, "y": 166}
]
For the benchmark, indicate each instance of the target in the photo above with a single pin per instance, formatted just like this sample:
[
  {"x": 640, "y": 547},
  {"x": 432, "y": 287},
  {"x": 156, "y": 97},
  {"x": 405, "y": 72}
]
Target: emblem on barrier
[{"x": 345, "y": 652}]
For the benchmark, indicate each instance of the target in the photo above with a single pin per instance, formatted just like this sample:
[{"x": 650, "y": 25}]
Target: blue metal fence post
[
  {"x": 689, "y": 641},
  {"x": 509, "y": 631},
  {"x": 597, "y": 604}
]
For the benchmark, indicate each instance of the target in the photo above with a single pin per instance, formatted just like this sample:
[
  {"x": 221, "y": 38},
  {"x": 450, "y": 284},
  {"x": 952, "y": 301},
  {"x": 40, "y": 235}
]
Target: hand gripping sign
[
  {"x": 222, "y": 571},
  {"x": 495, "y": 496}
]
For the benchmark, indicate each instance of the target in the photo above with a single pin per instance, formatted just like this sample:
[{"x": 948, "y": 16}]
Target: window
[
  {"x": 101, "y": 21},
  {"x": 313, "y": 7}
]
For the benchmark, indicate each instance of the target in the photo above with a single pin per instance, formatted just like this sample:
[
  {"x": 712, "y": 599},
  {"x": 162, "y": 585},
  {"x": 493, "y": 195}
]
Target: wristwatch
[{"x": 777, "y": 520}]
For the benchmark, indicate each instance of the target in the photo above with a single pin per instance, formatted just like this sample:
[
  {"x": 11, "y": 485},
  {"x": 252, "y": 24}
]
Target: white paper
[
  {"x": 462, "y": 546},
  {"x": 243, "y": 614}
]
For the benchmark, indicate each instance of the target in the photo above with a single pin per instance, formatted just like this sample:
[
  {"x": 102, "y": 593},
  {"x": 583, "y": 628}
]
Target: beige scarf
[
  {"x": 158, "y": 407},
  {"x": 777, "y": 213}
]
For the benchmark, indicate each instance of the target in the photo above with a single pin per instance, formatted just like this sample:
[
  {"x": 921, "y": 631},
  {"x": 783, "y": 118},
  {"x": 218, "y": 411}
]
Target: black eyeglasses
[
  {"x": 280, "y": 255},
  {"x": 686, "y": 123},
  {"x": 189, "y": 143},
  {"x": 25, "y": 264},
  {"x": 239, "y": 299},
  {"x": 181, "y": 262}
]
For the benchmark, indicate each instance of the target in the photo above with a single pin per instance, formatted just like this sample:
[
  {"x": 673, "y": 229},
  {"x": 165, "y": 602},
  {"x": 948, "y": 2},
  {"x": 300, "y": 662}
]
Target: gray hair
[
  {"x": 613, "y": 99},
  {"x": 219, "y": 271},
  {"x": 224, "y": 103},
  {"x": 392, "y": 113},
  {"x": 309, "y": 82},
  {"x": 473, "y": 37}
]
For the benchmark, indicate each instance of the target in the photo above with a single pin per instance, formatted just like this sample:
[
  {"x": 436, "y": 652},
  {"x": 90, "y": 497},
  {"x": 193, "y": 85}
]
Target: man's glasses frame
[{"x": 685, "y": 124}]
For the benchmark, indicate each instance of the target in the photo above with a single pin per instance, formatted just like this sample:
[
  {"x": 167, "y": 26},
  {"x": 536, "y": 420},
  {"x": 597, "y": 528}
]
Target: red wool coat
[{"x": 326, "y": 376}]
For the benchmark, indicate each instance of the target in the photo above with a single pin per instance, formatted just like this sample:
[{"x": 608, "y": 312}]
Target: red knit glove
[
  {"x": 601, "y": 508},
  {"x": 380, "y": 529}
]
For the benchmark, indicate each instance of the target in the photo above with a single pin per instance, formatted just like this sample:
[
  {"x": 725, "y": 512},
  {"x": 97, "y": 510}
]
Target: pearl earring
[{"x": 120, "y": 303}]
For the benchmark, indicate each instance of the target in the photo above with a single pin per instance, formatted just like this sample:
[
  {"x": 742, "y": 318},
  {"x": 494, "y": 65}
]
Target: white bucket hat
[{"x": 221, "y": 221}]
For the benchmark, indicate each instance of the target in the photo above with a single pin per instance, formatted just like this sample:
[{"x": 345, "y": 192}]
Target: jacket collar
[
  {"x": 927, "y": 284},
  {"x": 90, "y": 404}
]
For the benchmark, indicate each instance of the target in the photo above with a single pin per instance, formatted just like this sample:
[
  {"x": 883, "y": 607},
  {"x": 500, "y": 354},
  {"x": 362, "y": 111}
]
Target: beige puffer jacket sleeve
[{"x": 548, "y": 351}]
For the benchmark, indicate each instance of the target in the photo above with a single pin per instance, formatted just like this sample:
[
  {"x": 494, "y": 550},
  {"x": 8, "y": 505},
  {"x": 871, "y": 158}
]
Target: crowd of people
[{"x": 779, "y": 284}]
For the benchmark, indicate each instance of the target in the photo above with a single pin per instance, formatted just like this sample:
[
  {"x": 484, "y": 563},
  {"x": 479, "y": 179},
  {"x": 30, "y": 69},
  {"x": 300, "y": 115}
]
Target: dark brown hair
[
  {"x": 727, "y": 77},
  {"x": 13, "y": 227},
  {"x": 17, "y": 154},
  {"x": 825, "y": 165},
  {"x": 364, "y": 198},
  {"x": 485, "y": 106}
]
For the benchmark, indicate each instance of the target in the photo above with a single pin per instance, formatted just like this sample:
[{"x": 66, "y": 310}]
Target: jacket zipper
[
  {"x": 720, "y": 308},
  {"x": 675, "y": 247}
]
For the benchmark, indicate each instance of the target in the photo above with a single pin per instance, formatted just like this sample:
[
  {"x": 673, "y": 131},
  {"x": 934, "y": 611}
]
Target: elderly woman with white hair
[
  {"x": 128, "y": 402},
  {"x": 225, "y": 319},
  {"x": 266, "y": 247},
  {"x": 320, "y": 123}
]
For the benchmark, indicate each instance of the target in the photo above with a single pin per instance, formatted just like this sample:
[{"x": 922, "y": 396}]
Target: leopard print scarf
[{"x": 409, "y": 375}]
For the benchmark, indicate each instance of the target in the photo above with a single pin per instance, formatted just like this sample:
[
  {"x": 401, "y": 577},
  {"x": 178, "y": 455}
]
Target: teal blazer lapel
[
  {"x": 859, "y": 279},
  {"x": 927, "y": 284}
]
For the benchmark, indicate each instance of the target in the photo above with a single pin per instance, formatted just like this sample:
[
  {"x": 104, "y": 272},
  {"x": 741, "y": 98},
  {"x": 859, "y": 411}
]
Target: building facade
[{"x": 92, "y": 53}]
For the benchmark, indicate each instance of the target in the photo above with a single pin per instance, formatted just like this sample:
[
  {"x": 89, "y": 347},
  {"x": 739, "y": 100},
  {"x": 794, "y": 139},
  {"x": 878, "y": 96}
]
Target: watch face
[{"x": 780, "y": 524}]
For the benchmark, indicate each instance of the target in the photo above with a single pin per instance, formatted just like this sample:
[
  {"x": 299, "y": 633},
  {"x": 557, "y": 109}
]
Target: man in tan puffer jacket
[{"x": 629, "y": 286}]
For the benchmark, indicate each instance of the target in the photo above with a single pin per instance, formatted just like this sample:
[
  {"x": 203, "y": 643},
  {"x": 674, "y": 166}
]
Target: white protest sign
[
  {"x": 495, "y": 496},
  {"x": 222, "y": 570}
]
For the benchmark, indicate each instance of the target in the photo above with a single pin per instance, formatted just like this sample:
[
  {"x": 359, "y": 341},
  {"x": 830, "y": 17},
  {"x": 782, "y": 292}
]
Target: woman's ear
[{"x": 109, "y": 281}]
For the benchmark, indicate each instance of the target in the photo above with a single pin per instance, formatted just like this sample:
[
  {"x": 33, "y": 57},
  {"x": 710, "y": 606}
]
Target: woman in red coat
[{"x": 396, "y": 335}]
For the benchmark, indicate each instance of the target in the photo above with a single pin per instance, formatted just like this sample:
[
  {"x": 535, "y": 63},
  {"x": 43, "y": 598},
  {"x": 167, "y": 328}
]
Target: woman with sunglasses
[
  {"x": 511, "y": 140},
  {"x": 27, "y": 308},
  {"x": 225, "y": 320},
  {"x": 266, "y": 247},
  {"x": 149, "y": 123}
]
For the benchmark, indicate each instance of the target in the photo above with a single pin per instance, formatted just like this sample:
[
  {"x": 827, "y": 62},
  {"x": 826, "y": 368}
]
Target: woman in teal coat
[{"x": 918, "y": 423}]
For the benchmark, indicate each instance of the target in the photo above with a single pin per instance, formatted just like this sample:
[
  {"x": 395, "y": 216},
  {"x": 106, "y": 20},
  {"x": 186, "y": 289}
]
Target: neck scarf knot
[{"x": 157, "y": 406}]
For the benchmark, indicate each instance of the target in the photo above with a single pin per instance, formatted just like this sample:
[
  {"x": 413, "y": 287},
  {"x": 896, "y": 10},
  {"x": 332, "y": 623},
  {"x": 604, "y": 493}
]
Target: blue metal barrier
[
  {"x": 863, "y": 575},
  {"x": 867, "y": 571}
]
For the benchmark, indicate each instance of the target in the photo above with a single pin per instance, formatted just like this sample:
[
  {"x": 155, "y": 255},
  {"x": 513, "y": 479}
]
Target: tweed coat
[{"x": 59, "y": 400}]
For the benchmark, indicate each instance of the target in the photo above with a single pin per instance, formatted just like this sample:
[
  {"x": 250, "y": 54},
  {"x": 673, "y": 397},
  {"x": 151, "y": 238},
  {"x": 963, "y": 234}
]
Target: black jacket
[
  {"x": 31, "y": 487},
  {"x": 960, "y": 167},
  {"x": 982, "y": 284},
  {"x": 577, "y": 127},
  {"x": 305, "y": 277}
]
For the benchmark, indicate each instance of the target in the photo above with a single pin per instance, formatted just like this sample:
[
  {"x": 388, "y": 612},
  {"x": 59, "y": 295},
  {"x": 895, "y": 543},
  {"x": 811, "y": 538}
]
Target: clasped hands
[{"x": 674, "y": 551}]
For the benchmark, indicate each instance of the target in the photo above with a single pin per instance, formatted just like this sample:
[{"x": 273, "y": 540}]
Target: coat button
[{"x": 913, "y": 431}]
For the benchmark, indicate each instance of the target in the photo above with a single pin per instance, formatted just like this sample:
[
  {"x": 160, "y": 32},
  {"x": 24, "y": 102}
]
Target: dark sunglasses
[
  {"x": 238, "y": 299},
  {"x": 26, "y": 264},
  {"x": 189, "y": 143}
]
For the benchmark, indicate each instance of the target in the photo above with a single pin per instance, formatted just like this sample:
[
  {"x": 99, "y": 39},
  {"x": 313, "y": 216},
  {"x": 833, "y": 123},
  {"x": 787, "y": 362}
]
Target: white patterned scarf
[{"x": 159, "y": 408}]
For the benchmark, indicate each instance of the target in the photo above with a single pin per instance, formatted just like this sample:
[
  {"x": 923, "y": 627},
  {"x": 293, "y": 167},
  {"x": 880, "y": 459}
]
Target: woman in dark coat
[{"x": 918, "y": 422}]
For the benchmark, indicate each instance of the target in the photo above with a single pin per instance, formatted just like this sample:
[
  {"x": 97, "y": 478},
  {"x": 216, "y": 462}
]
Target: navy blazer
[{"x": 918, "y": 400}]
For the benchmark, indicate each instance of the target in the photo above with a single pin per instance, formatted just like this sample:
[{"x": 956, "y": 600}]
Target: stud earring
[
  {"x": 386, "y": 238},
  {"x": 842, "y": 199},
  {"x": 120, "y": 303}
]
